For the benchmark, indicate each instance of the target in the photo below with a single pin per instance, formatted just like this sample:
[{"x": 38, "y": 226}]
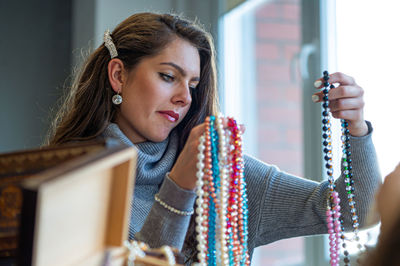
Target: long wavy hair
[{"x": 87, "y": 108}]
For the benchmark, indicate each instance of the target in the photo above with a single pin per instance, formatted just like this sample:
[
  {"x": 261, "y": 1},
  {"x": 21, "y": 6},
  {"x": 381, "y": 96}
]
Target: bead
[
  {"x": 200, "y": 165},
  {"x": 200, "y": 156}
]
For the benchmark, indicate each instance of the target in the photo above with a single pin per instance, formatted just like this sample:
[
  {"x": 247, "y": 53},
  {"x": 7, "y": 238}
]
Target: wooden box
[{"x": 75, "y": 202}]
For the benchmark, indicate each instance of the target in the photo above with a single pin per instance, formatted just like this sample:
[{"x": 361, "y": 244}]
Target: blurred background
[{"x": 269, "y": 54}]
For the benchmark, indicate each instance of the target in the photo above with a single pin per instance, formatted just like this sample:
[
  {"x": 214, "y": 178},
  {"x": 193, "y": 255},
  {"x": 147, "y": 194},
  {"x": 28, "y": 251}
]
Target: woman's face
[{"x": 157, "y": 92}]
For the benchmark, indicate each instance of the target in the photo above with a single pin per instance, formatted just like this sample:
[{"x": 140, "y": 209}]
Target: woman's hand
[
  {"x": 183, "y": 173},
  {"x": 345, "y": 102}
]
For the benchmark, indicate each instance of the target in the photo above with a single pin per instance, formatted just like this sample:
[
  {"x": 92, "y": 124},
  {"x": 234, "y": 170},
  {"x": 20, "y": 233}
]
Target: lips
[{"x": 170, "y": 115}]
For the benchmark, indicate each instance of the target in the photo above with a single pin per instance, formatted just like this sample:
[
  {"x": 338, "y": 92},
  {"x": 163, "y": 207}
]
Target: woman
[{"x": 163, "y": 67}]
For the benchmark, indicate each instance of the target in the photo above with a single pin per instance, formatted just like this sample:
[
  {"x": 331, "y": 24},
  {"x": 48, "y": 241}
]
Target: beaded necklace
[
  {"x": 221, "y": 222},
  {"x": 333, "y": 215}
]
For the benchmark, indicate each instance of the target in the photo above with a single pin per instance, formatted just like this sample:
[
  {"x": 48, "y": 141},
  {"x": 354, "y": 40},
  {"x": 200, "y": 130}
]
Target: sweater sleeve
[
  {"x": 289, "y": 206},
  {"x": 162, "y": 226}
]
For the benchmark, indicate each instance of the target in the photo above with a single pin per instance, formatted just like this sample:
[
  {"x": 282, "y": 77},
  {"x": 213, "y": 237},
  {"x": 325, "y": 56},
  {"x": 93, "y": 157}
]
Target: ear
[{"x": 116, "y": 74}]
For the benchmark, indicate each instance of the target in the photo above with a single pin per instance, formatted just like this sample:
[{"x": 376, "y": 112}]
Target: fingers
[
  {"x": 346, "y": 104},
  {"x": 242, "y": 128},
  {"x": 198, "y": 130},
  {"x": 349, "y": 115},
  {"x": 345, "y": 92},
  {"x": 347, "y": 108},
  {"x": 341, "y": 92},
  {"x": 195, "y": 134},
  {"x": 336, "y": 77},
  {"x": 345, "y": 101}
]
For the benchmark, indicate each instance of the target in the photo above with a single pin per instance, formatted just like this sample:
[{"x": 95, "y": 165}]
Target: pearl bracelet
[{"x": 172, "y": 209}]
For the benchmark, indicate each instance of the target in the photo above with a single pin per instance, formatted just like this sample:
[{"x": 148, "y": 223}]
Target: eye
[{"x": 167, "y": 77}]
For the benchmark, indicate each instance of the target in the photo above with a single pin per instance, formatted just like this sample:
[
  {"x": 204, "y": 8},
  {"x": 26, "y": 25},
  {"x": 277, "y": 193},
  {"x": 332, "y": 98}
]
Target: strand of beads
[
  {"x": 202, "y": 207},
  {"x": 347, "y": 171},
  {"x": 224, "y": 171},
  {"x": 334, "y": 218},
  {"x": 204, "y": 174},
  {"x": 221, "y": 222},
  {"x": 233, "y": 216},
  {"x": 213, "y": 199},
  {"x": 333, "y": 207},
  {"x": 239, "y": 187}
]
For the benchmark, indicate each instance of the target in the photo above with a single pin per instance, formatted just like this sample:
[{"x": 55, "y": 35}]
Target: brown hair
[
  {"x": 386, "y": 252},
  {"x": 87, "y": 109}
]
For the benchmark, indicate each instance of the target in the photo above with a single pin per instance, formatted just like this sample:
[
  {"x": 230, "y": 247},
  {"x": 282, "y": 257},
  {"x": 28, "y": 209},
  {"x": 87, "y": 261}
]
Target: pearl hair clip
[{"x": 108, "y": 42}]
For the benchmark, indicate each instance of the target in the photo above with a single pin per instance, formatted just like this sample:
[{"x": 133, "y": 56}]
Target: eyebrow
[{"x": 181, "y": 70}]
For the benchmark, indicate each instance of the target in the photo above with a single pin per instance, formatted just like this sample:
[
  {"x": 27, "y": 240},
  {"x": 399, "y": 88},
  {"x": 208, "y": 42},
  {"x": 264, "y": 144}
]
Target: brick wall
[{"x": 278, "y": 33}]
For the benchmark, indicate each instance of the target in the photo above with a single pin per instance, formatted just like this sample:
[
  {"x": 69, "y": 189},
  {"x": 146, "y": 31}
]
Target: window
[
  {"x": 368, "y": 50},
  {"x": 262, "y": 89}
]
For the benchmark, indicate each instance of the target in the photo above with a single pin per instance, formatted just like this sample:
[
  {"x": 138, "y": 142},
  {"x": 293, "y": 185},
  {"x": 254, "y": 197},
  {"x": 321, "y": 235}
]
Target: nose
[{"x": 182, "y": 95}]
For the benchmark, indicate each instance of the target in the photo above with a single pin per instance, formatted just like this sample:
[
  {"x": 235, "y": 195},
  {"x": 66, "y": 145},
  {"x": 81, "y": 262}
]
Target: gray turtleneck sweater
[{"x": 280, "y": 205}]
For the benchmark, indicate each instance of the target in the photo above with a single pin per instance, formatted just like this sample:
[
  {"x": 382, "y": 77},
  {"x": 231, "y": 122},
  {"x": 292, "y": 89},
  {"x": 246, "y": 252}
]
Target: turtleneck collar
[{"x": 155, "y": 159}]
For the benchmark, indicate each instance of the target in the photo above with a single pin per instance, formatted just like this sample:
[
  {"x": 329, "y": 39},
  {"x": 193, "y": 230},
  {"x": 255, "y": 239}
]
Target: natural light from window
[{"x": 368, "y": 48}]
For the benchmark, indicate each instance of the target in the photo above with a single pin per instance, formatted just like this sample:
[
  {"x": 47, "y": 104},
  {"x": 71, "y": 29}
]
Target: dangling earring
[{"x": 117, "y": 99}]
